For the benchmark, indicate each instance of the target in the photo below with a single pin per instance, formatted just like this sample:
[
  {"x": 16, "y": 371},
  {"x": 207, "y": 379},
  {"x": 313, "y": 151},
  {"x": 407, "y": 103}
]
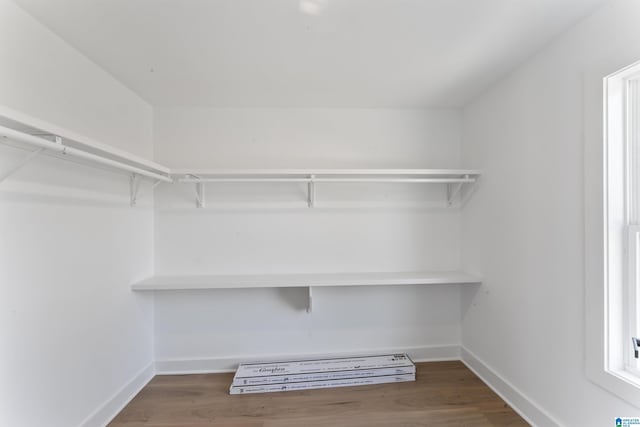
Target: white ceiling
[{"x": 308, "y": 53}]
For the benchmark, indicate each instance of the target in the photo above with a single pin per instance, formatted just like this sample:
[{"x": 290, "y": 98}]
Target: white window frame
[
  {"x": 632, "y": 198},
  {"x": 631, "y": 323},
  {"x": 612, "y": 237}
]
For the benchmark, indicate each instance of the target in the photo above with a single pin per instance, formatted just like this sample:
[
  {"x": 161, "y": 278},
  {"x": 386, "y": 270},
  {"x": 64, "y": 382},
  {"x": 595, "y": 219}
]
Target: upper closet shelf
[
  {"x": 44, "y": 137},
  {"x": 454, "y": 179},
  {"x": 40, "y": 138}
]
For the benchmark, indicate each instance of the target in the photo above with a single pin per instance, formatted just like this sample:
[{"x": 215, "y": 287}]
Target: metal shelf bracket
[
  {"x": 456, "y": 190},
  {"x": 32, "y": 155},
  {"x": 468, "y": 194},
  {"x": 311, "y": 193},
  {"x": 452, "y": 192},
  {"x": 200, "y": 199},
  {"x": 310, "y": 301},
  {"x": 134, "y": 189}
]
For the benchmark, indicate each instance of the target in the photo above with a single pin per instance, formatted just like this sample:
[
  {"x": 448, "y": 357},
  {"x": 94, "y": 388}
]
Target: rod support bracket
[
  {"x": 200, "y": 199},
  {"x": 463, "y": 196},
  {"x": 469, "y": 192},
  {"x": 32, "y": 155},
  {"x": 311, "y": 195},
  {"x": 310, "y": 300},
  {"x": 134, "y": 189}
]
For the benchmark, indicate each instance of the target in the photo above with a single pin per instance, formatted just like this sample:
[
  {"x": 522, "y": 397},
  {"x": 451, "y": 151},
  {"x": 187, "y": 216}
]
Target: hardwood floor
[{"x": 444, "y": 394}]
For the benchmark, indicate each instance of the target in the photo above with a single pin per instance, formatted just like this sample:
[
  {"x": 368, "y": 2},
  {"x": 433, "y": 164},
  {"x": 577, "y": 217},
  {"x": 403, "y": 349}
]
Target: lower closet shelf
[
  {"x": 176, "y": 283},
  {"x": 169, "y": 283}
]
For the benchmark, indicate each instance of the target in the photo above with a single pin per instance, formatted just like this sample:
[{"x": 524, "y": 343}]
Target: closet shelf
[
  {"x": 266, "y": 173},
  {"x": 36, "y": 127},
  {"x": 309, "y": 281},
  {"x": 168, "y": 283},
  {"x": 60, "y": 143},
  {"x": 454, "y": 179},
  {"x": 47, "y": 138}
]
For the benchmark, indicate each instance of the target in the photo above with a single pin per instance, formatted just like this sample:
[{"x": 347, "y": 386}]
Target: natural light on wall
[{"x": 312, "y": 7}]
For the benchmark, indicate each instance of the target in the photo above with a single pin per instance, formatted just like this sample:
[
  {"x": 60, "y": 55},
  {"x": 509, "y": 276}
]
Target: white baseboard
[
  {"x": 229, "y": 364},
  {"x": 519, "y": 402},
  {"x": 107, "y": 412}
]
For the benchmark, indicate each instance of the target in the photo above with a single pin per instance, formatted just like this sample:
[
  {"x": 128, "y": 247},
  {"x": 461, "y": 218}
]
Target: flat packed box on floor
[{"x": 321, "y": 373}]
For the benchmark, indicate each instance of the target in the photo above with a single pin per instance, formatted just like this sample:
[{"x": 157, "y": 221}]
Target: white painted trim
[
  {"x": 519, "y": 402},
  {"x": 112, "y": 407},
  {"x": 229, "y": 364}
]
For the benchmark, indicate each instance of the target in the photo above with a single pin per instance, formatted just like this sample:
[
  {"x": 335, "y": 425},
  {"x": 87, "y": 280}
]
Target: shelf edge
[{"x": 159, "y": 283}]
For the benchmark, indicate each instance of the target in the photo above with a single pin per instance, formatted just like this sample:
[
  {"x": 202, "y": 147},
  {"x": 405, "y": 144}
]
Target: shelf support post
[
  {"x": 134, "y": 188},
  {"x": 310, "y": 301},
  {"x": 311, "y": 195},
  {"x": 200, "y": 201},
  {"x": 20, "y": 164}
]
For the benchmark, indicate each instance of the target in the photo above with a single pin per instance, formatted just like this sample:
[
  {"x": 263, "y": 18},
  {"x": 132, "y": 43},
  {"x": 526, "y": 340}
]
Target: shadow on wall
[{"x": 296, "y": 298}]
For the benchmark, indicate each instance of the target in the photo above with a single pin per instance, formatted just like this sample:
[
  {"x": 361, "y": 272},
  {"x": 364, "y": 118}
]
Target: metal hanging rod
[
  {"x": 197, "y": 180},
  {"x": 57, "y": 147},
  {"x": 398, "y": 180}
]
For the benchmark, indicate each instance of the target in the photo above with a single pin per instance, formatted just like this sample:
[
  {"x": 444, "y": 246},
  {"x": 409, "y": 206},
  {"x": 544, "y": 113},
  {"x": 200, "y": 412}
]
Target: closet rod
[
  {"x": 399, "y": 180},
  {"x": 71, "y": 151}
]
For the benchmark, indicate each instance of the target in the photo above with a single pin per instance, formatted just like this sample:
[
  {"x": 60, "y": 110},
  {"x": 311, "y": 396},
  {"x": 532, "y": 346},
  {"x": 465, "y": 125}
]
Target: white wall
[
  {"x": 44, "y": 77},
  {"x": 72, "y": 334},
  {"x": 524, "y": 228},
  {"x": 299, "y": 138},
  {"x": 262, "y": 229}
]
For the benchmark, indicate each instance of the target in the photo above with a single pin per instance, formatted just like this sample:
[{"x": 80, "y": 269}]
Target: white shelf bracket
[
  {"x": 200, "y": 201},
  {"x": 310, "y": 301},
  {"x": 311, "y": 193},
  {"x": 452, "y": 192},
  {"x": 468, "y": 194},
  {"x": 134, "y": 188},
  {"x": 20, "y": 164},
  {"x": 137, "y": 192}
]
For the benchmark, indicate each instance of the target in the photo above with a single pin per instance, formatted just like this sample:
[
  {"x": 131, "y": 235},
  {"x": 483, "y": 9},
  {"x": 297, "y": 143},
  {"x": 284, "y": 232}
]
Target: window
[
  {"x": 630, "y": 82},
  {"x": 613, "y": 285}
]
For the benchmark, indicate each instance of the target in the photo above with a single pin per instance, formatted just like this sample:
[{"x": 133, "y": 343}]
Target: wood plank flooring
[{"x": 444, "y": 394}]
